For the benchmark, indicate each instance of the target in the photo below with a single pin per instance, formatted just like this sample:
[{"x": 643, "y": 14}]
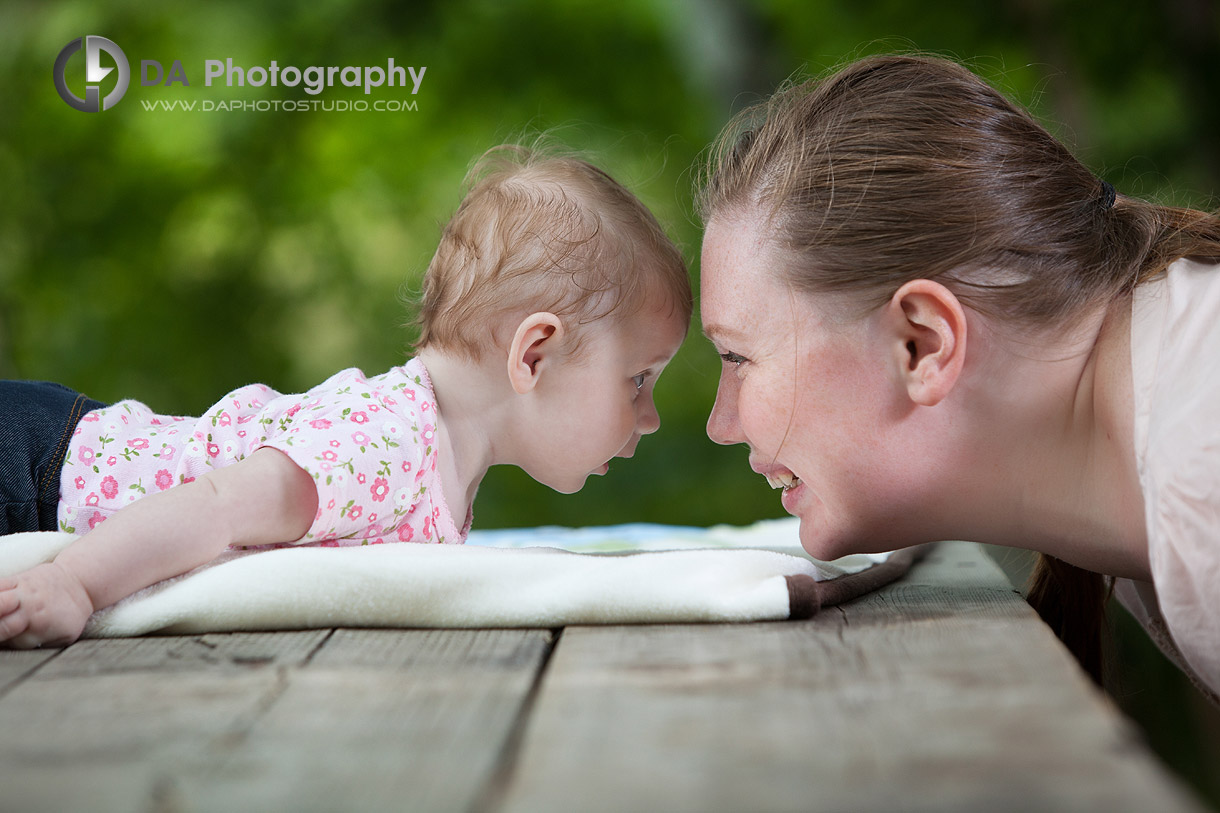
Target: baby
[{"x": 551, "y": 306}]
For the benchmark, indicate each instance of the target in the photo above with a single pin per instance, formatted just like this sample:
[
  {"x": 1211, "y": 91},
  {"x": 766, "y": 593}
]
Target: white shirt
[{"x": 1175, "y": 371}]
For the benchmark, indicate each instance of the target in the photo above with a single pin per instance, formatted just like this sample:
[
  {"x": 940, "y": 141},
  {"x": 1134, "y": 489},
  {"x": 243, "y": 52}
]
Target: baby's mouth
[{"x": 786, "y": 480}]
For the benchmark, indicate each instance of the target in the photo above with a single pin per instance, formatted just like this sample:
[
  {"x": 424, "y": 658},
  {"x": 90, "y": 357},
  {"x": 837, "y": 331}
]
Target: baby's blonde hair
[{"x": 539, "y": 232}]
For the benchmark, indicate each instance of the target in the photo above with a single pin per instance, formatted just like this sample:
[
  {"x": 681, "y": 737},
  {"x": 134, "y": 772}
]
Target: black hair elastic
[{"x": 1107, "y": 196}]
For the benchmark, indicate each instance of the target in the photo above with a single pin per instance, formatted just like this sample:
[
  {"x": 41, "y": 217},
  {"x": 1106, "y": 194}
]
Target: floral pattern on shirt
[{"x": 368, "y": 443}]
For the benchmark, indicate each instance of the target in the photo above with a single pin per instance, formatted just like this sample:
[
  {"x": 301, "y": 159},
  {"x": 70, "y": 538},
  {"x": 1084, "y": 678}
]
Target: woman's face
[{"x": 807, "y": 388}]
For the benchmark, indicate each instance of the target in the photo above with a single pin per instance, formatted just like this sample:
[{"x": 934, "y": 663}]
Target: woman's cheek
[
  {"x": 723, "y": 422},
  {"x": 763, "y": 418}
]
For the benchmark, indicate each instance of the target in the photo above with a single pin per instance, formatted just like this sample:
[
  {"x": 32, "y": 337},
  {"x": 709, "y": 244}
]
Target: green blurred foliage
[{"x": 172, "y": 256}]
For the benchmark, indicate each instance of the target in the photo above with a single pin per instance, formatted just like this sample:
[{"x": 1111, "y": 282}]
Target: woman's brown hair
[{"x": 897, "y": 168}]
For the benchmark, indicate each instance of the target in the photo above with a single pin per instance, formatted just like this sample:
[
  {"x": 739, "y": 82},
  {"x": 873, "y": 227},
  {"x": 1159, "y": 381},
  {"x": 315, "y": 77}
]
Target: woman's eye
[
  {"x": 732, "y": 358},
  {"x": 639, "y": 381}
]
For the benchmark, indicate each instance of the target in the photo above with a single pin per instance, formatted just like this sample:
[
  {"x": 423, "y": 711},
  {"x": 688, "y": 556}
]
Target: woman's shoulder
[
  {"x": 1175, "y": 329},
  {"x": 1186, "y": 288},
  {"x": 1174, "y": 332}
]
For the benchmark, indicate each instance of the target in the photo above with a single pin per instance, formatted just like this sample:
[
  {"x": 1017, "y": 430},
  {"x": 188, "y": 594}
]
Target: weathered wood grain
[
  {"x": 17, "y": 664},
  {"x": 379, "y": 720},
  {"x": 78, "y": 738},
  {"x": 373, "y": 720},
  {"x": 941, "y": 692},
  {"x": 222, "y": 652}
]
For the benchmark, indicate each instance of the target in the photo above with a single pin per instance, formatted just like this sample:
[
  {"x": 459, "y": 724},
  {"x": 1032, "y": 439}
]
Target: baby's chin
[{"x": 569, "y": 485}]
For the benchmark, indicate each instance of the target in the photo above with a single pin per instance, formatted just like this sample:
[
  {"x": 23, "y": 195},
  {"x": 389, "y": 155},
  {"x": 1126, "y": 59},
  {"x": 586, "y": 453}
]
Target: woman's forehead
[
  {"x": 736, "y": 232},
  {"x": 745, "y": 289},
  {"x": 737, "y": 270}
]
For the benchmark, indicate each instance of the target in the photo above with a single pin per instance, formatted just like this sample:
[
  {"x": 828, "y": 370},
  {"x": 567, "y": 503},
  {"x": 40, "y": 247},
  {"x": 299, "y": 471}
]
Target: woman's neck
[{"x": 1066, "y": 483}]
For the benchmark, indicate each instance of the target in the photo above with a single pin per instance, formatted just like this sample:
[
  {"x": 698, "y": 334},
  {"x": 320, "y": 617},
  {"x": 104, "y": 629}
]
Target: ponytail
[
  {"x": 1173, "y": 234},
  {"x": 1072, "y": 602}
]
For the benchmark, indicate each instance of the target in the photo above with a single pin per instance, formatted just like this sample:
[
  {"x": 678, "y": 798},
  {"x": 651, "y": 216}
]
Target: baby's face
[{"x": 599, "y": 401}]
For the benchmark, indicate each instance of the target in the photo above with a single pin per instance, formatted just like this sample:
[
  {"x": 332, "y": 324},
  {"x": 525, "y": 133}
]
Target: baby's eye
[
  {"x": 639, "y": 381},
  {"x": 732, "y": 358}
]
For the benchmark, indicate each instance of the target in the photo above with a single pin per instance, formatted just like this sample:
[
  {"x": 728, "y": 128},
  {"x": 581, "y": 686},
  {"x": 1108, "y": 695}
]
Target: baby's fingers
[
  {"x": 8, "y": 599},
  {"x": 12, "y": 625},
  {"x": 28, "y": 640}
]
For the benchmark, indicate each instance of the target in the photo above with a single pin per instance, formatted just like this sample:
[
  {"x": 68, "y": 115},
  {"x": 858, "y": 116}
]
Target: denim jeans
[{"x": 37, "y": 419}]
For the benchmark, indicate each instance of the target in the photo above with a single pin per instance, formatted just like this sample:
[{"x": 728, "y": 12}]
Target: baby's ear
[
  {"x": 926, "y": 327},
  {"x": 535, "y": 346}
]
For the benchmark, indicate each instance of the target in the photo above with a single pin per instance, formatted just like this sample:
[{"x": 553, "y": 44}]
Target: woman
[{"x": 936, "y": 323}]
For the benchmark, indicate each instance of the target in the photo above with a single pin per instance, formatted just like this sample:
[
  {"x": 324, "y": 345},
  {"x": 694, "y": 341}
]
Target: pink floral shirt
[{"x": 368, "y": 443}]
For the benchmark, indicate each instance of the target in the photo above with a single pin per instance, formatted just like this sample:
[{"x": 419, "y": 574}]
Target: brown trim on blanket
[
  {"x": 803, "y": 598},
  {"x": 846, "y": 588}
]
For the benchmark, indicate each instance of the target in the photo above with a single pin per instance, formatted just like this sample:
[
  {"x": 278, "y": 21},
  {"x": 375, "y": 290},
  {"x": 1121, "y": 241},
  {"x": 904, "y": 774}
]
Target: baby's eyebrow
[{"x": 662, "y": 359}]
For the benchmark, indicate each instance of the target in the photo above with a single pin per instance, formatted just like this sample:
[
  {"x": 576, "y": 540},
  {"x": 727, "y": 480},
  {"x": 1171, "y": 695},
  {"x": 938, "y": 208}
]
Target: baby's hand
[{"x": 46, "y": 604}]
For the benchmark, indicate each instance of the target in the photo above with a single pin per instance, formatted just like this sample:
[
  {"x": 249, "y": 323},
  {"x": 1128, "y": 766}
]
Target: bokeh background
[{"x": 171, "y": 256}]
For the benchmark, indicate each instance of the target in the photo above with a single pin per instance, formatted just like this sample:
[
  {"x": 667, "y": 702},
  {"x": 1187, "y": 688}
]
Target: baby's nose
[{"x": 649, "y": 420}]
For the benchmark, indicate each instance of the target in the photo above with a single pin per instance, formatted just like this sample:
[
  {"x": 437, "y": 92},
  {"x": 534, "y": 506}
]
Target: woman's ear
[
  {"x": 534, "y": 347},
  {"x": 927, "y": 330}
]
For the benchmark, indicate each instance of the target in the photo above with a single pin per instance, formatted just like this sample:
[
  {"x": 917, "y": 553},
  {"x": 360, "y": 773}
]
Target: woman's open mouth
[{"x": 785, "y": 480}]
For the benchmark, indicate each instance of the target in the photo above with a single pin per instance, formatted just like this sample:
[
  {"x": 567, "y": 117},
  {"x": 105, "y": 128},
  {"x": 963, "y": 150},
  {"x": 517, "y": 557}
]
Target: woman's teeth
[{"x": 785, "y": 481}]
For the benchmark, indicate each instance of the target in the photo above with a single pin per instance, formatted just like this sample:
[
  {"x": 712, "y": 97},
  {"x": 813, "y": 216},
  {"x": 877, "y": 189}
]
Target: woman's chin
[
  {"x": 815, "y": 532},
  {"x": 820, "y": 548}
]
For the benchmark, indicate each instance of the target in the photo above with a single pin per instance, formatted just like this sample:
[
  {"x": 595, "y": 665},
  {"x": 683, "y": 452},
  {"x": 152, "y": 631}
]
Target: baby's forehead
[{"x": 659, "y": 323}]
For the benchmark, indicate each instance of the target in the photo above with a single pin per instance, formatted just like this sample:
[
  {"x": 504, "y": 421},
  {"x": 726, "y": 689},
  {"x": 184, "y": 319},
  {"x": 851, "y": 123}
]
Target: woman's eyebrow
[{"x": 714, "y": 332}]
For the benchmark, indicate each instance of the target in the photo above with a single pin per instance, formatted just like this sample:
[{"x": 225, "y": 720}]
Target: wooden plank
[
  {"x": 16, "y": 664},
  {"x": 102, "y": 724},
  {"x": 940, "y": 692},
  {"x": 214, "y": 652},
  {"x": 105, "y": 742},
  {"x": 379, "y": 720},
  {"x": 186, "y": 653},
  {"x": 434, "y": 650}
]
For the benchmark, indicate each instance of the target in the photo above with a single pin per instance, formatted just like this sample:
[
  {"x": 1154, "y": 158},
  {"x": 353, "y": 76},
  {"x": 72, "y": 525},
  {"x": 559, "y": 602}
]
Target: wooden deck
[{"x": 942, "y": 692}]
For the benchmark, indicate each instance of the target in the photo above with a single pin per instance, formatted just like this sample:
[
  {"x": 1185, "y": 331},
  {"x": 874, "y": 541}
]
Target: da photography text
[{"x": 106, "y": 85}]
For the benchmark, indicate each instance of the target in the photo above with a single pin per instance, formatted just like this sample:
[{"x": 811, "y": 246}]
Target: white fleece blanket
[{"x": 625, "y": 574}]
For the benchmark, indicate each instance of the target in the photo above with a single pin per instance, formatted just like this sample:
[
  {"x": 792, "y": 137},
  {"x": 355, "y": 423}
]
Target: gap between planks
[{"x": 489, "y": 798}]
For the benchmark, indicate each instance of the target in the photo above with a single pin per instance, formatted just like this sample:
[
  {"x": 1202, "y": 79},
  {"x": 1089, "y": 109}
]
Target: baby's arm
[{"x": 261, "y": 500}]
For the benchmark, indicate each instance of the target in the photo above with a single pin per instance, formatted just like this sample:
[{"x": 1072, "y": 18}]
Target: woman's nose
[{"x": 722, "y": 425}]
